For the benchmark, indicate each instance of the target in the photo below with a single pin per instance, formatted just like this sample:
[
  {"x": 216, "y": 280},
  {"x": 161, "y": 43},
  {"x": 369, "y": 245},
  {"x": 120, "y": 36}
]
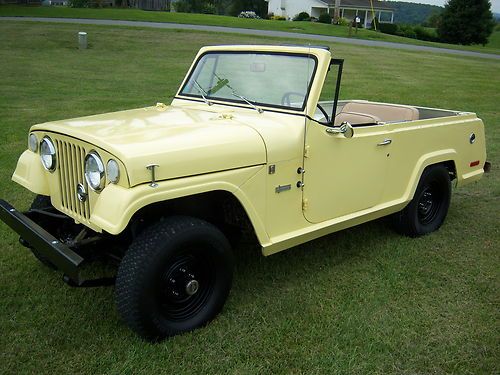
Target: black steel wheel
[
  {"x": 427, "y": 210},
  {"x": 186, "y": 285},
  {"x": 428, "y": 205},
  {"x": 175, "y": 277}
]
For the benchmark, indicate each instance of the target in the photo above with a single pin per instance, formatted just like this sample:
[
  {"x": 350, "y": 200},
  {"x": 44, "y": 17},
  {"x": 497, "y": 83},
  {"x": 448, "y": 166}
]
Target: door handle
[{"x": 385, "y": 142}]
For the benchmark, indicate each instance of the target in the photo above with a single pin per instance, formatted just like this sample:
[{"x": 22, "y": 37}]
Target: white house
[{"x": 366, "y": 10}]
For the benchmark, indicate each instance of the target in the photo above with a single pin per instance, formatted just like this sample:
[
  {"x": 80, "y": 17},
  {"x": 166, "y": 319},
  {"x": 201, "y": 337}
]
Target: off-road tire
[
  {"x": 145, "y": 292},
  {"x": 427, "y": 210}
]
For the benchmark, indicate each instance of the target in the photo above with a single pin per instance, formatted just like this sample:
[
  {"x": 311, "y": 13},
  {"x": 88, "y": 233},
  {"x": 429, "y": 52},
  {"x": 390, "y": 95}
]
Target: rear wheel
[
  {"x": 175, "y": 277},
  {"x": 427, "y": 210}
]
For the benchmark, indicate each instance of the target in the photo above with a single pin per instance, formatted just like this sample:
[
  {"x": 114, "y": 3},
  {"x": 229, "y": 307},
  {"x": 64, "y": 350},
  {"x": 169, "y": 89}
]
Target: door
[{"x": 343, "y": 175}]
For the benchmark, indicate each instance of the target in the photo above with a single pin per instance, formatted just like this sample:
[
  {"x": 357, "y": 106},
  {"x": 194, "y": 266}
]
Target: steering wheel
[
  {"x": 323, "y": 112},
  {"x": 285, "y": 100}
]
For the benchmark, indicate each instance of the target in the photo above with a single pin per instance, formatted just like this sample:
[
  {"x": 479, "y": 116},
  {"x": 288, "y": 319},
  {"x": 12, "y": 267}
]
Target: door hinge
[
  {"x": 306, "y": 151},
  {"x": 305, "y": 204}
]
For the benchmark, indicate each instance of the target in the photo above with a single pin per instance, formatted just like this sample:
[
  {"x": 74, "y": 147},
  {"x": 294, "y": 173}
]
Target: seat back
[
  {"x": 384, "y": 112},
  {"x": 355, "y": 118}
]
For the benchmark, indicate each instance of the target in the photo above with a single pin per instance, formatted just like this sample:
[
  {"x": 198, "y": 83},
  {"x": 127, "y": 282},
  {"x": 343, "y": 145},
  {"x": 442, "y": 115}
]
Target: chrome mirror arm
[{"x": 345, "y": 128}]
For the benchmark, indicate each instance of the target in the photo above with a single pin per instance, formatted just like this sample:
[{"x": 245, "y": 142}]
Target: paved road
[{"x": 234, "y": 30}]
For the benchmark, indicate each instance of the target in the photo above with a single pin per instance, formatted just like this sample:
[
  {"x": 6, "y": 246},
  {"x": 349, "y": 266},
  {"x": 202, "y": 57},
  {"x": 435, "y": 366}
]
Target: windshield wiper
[
  {"x": 225, "y": 82},
  {"x": 260, "y": 110},
  {"x": 202, "y": 93}
]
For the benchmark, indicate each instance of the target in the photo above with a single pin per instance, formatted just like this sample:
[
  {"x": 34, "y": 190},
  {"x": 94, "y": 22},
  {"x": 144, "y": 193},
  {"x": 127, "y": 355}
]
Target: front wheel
[
  {"x": 427, "y": 210},
  {"x": 175, "y": 277}
]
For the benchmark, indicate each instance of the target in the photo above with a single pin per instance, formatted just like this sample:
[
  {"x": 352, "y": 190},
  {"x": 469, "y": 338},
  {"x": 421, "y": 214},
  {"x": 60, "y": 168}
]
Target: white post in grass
[{"x": 82, "y": 40}]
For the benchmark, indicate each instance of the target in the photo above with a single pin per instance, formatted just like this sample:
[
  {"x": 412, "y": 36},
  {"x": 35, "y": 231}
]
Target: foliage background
[{"x": 466, "y": 22}]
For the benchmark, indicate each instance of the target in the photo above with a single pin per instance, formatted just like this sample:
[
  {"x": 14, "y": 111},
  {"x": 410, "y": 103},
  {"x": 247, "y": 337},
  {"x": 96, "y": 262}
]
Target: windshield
[{"x": 267, "y": 79}]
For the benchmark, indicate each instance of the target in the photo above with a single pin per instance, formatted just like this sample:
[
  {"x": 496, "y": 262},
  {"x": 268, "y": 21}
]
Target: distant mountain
[
  {"x": 496, "y": 16},
  {"x": 413, "y": 13}
]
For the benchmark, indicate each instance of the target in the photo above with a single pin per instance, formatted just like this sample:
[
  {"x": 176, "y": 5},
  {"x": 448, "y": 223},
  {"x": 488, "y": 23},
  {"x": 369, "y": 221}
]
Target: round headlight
[
  {"x": 113, "y": 171},
  {"x": 94, "y": 171},
  {"x": 33, "y": 142},
  {"x": 48, "y": 154}
]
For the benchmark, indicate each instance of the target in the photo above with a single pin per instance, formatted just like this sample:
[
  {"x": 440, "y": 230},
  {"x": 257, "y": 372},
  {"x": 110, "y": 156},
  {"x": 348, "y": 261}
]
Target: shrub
[
  {"x": 343, "y": 21},
  {"x": 248, "y": 14},
  {"x": 96, "y": 3},
  {"x": 425, "y": 34},
  {"x": 388, "y": 28},
  {"x": 302, "y": 16},
  {"x": 209, "y": 9},
  {"x": 277, "y": 18},
  {"x": 182, "y": 7},
  {"x": 325, "y": 18},
  {"x": 78, "y": 3},
  {"x": 406, "y": 31},
  {"x": 190, "y": 6}
]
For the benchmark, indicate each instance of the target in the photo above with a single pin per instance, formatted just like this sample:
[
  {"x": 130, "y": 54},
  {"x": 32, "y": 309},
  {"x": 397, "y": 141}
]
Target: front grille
[{"x": 70, "y": 159}]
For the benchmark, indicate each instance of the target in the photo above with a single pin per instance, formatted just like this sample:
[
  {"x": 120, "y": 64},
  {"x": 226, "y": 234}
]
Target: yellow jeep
[{"x": 256, "y": 140}]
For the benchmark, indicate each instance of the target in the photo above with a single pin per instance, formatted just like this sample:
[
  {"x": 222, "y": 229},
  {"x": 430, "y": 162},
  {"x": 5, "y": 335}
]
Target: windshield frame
[{"x": 239, "y": 102}]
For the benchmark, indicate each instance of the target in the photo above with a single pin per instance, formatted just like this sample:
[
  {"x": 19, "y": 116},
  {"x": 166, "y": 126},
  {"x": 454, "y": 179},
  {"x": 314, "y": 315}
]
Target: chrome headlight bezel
[
  {"x": 98, "y": 166},
  {"x": 48, "y": 154},
  {"x": 32, "y": 142}
]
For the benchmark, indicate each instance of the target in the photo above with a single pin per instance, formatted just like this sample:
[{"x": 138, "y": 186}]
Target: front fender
[
  {"x": 116, "y": 205},
  {"x": 30, "y": 173}
]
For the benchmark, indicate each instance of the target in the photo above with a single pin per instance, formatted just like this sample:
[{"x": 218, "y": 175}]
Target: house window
[
  {"x": 385, "y": 16},
  {"x": 283, "y": 4}
]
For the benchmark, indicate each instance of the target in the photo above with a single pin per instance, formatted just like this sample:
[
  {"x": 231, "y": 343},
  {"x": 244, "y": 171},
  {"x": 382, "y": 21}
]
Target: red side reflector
[{"x": 474, "y": 163}]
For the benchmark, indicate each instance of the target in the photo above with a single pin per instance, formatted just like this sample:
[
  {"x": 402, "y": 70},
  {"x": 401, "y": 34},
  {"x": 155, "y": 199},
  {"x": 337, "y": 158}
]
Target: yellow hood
[{"x": 183, "y": 142}]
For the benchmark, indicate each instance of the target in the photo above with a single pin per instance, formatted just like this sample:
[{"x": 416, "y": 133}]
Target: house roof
[{"x": 361, "y": 4}]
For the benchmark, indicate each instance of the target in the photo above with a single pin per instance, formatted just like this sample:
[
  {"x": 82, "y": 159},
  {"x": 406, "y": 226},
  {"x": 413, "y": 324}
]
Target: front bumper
[{"x": 47, "y": 245}]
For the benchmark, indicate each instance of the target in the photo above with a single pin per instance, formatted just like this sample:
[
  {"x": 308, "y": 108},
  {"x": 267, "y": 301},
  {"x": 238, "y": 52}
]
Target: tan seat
[
  {"x": 355, "y": 118},
  {"x": 384, "y": 112}
]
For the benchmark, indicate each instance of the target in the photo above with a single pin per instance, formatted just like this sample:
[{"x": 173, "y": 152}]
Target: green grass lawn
[
  {"x": 494, "y": 41},
  {"x": 214, "y": 20},
  {"x": 361, "y": 301}
]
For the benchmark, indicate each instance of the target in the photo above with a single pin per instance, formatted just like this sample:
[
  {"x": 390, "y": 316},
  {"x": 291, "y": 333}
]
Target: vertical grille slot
[
  {"x": 71, "y": 179},
  {"x": 86, "y": 208},
  {"x": 71, "y": 173}
]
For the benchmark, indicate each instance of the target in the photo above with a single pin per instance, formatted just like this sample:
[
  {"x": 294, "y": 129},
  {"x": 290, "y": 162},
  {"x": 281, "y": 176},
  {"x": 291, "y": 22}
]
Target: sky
[{"x": 495, "y": 4}]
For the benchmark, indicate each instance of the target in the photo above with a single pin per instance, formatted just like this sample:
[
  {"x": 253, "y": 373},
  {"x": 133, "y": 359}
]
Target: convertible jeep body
[{"x": 256, "y": 141}]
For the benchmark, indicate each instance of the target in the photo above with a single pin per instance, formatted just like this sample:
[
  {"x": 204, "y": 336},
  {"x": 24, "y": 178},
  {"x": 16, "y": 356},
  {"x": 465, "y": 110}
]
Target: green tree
[
  {"x": 433, "y": 20},
  {"x": 466, "y": 22}
]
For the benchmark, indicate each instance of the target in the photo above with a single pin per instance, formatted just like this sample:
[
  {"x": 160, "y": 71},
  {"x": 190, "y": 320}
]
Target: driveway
[{"x": 234, "y": 30}]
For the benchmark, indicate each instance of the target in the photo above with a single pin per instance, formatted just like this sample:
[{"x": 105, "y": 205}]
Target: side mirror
[{"x": 345, "y": 128}]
